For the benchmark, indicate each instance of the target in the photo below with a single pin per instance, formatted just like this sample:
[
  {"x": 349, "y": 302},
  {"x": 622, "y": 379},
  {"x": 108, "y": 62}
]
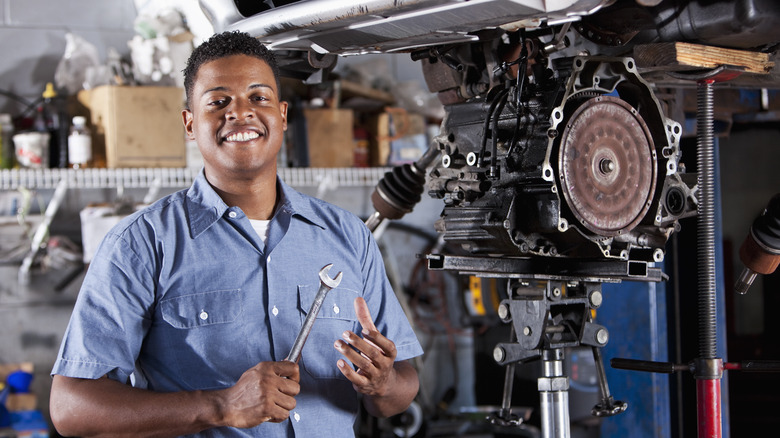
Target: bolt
[
  {"x": 602, "y": 336},
  {"x": 527, "y": 331},
  {"x": 595, "y": 298},
  {"x": 499, "y": 354},
  {"x": 503, "y": 312},
  {"x": 556, "y": 292},
  {"x": 606, "y": 166}
]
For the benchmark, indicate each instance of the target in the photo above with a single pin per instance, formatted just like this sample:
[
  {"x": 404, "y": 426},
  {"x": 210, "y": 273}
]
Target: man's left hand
[{"x": 372, "y": 354}]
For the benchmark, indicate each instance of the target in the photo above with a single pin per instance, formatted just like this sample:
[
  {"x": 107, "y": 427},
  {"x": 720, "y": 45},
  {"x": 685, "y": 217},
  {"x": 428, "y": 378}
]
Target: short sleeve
[
  {"x": 112, "y": 312},
  {"x": 384, "y": 305}
]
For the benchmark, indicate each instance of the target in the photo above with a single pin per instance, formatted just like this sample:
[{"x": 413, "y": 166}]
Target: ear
[
  {"x": 186, "y": 116},
  {"x": 283, "y": 110}
]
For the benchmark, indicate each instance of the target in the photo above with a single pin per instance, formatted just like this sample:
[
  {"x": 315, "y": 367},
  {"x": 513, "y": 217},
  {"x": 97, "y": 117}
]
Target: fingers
[
  {"x": 352, "y": 375},
  {"x": 364, "y": 315},
  {"x": 372, "y": 354},
  {"x": 288, "y": 370},
  {"x": 371, "y": 334},
  {"x": 265, "y": 392},
  {"x": 373, "y": 345},
  {"x": 373, "y": 357},
  {"x": 278, "y": 390}
]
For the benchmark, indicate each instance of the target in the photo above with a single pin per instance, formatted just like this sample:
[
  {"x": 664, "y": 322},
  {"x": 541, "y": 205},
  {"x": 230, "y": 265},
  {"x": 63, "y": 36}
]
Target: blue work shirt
[{"x": 184, "y": 295}]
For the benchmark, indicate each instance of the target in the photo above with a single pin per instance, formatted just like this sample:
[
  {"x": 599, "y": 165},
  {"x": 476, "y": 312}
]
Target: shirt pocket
[
  {"x": 202, "y": 309},
  {"x": 336, "y": 316},
  {"x": 201, "y": 339}
]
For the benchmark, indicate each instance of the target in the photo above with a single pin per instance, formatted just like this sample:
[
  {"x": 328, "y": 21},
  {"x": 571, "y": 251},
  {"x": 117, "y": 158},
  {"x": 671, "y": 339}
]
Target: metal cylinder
[{"x": 554, "y": 396}]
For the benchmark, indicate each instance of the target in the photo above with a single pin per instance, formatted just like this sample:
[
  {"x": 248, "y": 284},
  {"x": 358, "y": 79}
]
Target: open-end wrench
[{"x": 326, "y": 284}]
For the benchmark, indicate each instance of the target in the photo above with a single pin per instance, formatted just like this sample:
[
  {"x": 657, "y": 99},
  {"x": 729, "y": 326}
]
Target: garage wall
[{"x": 32, "y": 39}]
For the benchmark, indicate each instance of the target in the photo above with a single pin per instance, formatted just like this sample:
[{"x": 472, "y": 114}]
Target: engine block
[{"x": 577, "y": 160}]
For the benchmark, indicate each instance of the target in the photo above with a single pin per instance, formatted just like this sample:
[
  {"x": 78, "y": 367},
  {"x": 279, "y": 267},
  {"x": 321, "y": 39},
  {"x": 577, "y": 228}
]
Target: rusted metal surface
[{"x": 607, "y": 165}]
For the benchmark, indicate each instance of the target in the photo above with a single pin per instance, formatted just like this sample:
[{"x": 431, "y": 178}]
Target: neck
[{"x": 255, "y": 197}]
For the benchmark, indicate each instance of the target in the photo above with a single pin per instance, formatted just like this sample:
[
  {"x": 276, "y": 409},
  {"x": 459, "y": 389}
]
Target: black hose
[{"x": 486, "y": 125}]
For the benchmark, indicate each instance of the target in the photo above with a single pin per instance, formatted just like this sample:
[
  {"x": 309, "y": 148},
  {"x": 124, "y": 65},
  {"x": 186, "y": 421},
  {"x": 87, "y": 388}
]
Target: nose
[{"x": 239, "y": 110}]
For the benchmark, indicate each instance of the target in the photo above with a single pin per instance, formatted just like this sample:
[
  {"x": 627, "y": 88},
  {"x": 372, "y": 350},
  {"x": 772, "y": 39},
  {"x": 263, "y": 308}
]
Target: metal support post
[
  {"x": 554, "y": 395},
  {"x": 709, "y": 368}
]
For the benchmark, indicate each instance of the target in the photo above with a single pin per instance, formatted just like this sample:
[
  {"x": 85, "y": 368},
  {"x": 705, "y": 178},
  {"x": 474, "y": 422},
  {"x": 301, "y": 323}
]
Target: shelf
[{"x": 175, "y": 177}]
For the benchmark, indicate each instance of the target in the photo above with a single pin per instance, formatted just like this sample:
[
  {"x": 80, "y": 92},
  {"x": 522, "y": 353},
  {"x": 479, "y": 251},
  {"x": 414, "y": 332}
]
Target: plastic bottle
[
  {"x": 7, "y": 152},
  {"x": 53, "y": 117},
  {"x": 79, "y": 144}
]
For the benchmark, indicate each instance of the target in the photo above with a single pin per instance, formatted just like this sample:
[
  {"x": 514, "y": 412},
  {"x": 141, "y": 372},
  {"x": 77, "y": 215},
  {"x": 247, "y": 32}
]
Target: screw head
[
  {"x": 503, "y": 311},
  {"x": 602, "y": 336},
  {"x": 595, "y": 298},
  {"x": 499, "y": 354}
]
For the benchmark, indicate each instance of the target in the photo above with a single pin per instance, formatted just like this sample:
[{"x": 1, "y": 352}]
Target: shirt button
[
  {"x": 232, "y": 214},
  {"x": 275, "y": 311},
  {"x": 203, "y": 315},
  {"x": 336, "y": 309},
  {"x": 297, "y": 417},
  {"x": 268, "y": 259}
]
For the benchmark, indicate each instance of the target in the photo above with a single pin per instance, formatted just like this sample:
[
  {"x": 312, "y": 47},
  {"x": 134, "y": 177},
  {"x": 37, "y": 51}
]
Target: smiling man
[{"x": 190, "y": 305}]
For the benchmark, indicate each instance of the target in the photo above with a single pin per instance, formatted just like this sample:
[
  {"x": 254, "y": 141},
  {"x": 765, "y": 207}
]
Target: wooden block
[
  {"x": 685, "y": 56},
  {"x": 330, "y": 137},
  {"x": 21, "y": 402}
]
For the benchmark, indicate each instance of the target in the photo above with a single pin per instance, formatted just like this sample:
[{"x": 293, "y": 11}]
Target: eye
[{"x": 217, "y": 102}]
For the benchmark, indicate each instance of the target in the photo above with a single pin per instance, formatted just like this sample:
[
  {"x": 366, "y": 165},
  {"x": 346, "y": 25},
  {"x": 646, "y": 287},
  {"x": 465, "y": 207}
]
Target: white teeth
[{"x": 243, "y": 136}]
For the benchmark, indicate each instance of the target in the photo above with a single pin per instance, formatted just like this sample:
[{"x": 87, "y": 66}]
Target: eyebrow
[{"x": 251, "y": 87}]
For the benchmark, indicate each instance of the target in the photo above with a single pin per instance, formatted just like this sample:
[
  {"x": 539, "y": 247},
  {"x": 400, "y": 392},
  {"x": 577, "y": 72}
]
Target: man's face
[{"x": 236, "y": 117}]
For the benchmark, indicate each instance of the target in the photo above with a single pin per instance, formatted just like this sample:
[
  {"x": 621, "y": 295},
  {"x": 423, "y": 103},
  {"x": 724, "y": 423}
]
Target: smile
[{"x": 242, "y": 136}]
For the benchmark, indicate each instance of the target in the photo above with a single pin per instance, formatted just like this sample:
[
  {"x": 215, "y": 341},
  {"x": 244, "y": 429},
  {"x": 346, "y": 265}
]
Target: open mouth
[{"x": 242, "y": 136}]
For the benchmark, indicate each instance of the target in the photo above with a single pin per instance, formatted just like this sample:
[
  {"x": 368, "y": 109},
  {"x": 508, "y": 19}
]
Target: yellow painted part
[{"x": 477, "y": 301}]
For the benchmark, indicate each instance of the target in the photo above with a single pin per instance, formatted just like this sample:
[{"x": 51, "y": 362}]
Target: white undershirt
[{"x": 261, "y": 227}]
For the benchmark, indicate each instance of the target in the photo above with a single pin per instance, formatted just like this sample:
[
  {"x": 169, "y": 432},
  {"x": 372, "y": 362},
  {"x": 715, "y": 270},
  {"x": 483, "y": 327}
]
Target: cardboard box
[
  {"x": 17, "y": 402},
  {"x": 397, "y": 137},
  {"x": 330, "y": 137},
  {"x": 21, "y": 402},
  {"x": 136, "y": 126}
]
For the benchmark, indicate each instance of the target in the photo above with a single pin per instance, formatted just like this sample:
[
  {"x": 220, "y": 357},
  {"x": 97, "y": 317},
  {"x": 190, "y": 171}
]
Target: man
[{"x": 197, "y": 299}]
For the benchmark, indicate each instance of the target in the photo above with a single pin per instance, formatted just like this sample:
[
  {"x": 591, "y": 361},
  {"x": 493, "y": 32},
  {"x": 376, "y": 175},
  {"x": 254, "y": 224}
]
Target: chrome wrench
[{"x": 326, "y": 284}]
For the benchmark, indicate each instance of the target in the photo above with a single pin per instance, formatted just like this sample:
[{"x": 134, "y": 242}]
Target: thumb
[{"x": 363, "y": 314}]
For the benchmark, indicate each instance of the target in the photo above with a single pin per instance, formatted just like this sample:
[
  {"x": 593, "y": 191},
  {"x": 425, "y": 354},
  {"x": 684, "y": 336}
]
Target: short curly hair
[{"x": 222, "y": 45}]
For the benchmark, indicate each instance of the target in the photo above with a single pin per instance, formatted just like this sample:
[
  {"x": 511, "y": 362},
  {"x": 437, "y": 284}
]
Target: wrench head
[{"x": 325, "y": 278}]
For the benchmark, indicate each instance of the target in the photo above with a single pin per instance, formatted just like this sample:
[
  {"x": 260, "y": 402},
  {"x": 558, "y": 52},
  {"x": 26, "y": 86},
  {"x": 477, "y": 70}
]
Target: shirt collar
[{"x": 205, "y": 207}]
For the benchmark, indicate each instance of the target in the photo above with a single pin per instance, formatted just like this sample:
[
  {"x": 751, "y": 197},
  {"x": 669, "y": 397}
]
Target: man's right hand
[
  {"x": 93, "y": 407},
  {"x": 264, "y": 392}
]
